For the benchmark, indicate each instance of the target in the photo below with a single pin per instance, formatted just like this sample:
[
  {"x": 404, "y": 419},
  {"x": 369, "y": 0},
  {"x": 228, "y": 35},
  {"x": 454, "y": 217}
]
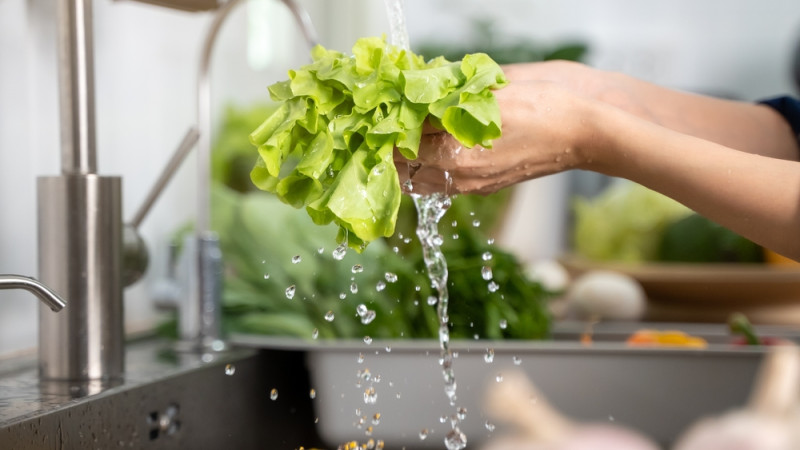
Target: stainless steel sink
[{"x": 167, "y": 401}]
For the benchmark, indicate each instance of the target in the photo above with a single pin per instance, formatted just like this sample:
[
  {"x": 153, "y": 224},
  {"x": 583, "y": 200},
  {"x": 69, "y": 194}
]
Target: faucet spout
[{"x": 37, "y": 288}]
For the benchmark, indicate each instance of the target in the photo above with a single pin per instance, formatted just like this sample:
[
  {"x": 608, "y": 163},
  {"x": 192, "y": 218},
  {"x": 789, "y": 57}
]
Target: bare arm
[
  {"x": 741, "y": 125},
  {"x": 549, "y": 129}
]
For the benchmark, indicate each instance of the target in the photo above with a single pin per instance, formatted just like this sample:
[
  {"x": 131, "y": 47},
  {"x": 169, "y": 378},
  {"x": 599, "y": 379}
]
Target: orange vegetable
[{"x": 667, "y": 338}]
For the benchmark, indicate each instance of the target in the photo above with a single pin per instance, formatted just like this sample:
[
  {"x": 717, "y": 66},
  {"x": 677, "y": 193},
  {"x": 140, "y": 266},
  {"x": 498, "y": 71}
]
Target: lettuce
[{"x": 328, "y": 147}]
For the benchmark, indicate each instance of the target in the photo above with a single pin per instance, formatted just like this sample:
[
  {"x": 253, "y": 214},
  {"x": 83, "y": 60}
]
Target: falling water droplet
[
  {"x": 266, "y": 276},
  {"x": 476, "y": 223},
  {"x": 376, "y": 419},
  {"x": 503, "y": 324},
  {"x": 489, "y": 426},
  {"x": 489, "y": 356},
  {"x": 493, "y": 287},
  {"x": 339, "y": 252},
  {"x": 230, "y": 369},
  {"x": 490, "y": 241},
  {"x": 360, "y": 358},
  {"x": 390, "y": 277},
  {"x": 354, "y": 287},
  {"x": 321, "y": 250},
  {"x": 315, "y": 333},
  {"x": 312, "y": 394},
  {"x": 432, "y": 300},
  {"x": 370, "y": 396},
  {"x": 367, "y": 340},
  {"x": 367, "y": 318},
  {"x": 329, "y": 316},
  {"x": 486, "y": 256},
  {"x": 357, "y": 268},
  {"x": 296, "y": 259},
  {"x": 516, "y": 360},
  {"x": 290, "y": 292},
  {"x": 380, "y": 285},
  {"x": 361, "y": 309},
  {"x": 455, "y": 439},
  {"x": 461, "y": 413},
  {"x": 499, "y": 378},
  {"x": 486, "y": 273},
  {"x": 423, "y": 434},
  {"x": 273, "y": 394}
]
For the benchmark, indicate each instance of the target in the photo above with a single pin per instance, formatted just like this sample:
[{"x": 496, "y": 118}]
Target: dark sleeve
[{"x": 787, "y": 107}]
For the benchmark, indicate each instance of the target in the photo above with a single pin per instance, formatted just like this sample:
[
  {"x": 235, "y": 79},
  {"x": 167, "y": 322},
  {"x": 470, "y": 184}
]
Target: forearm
[
  {"x": 756, "y": 196},
  {"x": 740, "y": 125},
  {"x": 744, "y": 126}
]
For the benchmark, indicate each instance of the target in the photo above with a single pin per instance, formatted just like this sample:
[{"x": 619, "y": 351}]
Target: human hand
[
  {"x": 612, "y": 88},
  {"x": 543, "y": 129}
]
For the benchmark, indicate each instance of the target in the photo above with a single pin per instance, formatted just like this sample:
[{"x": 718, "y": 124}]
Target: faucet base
[{"x": 80, "y": 244}]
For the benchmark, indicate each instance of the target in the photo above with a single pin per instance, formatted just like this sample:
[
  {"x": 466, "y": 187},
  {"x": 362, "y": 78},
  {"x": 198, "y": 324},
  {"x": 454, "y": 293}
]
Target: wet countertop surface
[{"x": 22, "y": 395}]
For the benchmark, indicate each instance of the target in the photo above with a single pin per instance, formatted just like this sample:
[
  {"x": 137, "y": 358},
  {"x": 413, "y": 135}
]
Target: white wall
[{"x": 146, "y": 59}]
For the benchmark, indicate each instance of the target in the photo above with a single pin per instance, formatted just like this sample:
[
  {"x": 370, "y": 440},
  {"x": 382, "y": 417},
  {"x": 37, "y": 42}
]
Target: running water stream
[{"x": 430, "y": 209}]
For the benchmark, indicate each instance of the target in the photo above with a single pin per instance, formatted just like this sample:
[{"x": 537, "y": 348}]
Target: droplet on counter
[
  {"x": 230, "y": 369},
  {"x": 329, "y": 316},
  {"x": 273, "y": 394},
  {"x": 489, "y": 356},
  {"x": 290, "y": 292},
  {"x": 296, "y": 259},
  {"x": 339, "y": 252}
]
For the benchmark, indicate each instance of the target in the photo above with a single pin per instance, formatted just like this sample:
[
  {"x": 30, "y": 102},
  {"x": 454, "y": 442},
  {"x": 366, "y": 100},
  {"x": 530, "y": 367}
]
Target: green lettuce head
[{"x": 328, "y": 147}]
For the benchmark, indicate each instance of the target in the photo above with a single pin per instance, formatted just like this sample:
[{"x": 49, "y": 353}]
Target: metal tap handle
[{"x": 45, "y": 294}]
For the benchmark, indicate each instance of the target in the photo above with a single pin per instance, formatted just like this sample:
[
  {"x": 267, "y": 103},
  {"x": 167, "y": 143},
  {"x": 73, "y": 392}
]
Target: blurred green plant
[{"x": 503, "y": 49}]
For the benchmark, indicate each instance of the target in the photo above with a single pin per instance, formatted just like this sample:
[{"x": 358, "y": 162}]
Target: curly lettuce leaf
[{"x": 328, "y": 147}]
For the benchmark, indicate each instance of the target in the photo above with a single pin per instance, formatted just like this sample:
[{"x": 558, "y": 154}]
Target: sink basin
[
  {"x": 167, "y": 401},
  {"x": 656, "y": 391},
  {"x": 287, "y": 393}
]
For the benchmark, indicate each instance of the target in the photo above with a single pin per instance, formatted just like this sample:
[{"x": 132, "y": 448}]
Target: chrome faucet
[
  {"x": 199, "y": 292},
  {"x": 44, "y": 293},
  {"x": 84, "y": 247}
]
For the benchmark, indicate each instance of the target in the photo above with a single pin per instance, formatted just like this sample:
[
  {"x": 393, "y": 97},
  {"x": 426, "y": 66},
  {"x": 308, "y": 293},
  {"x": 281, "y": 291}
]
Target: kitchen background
[{"x": 146, "y": 61}]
